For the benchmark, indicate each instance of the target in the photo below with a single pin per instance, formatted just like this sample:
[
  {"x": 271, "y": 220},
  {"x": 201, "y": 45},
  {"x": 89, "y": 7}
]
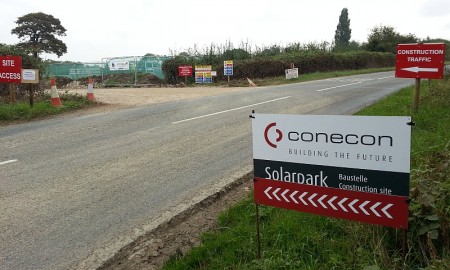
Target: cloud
[
  {"x": 435, "y": 8},
  {"x": 447, "y": 26}
]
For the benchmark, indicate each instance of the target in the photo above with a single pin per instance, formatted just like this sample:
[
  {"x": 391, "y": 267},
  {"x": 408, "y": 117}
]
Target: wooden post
[
  {"x": 31, "y": 93},
  {"x": 12, "y": 93},
  {"x": 228, "y": 79},
  {"x": 258, "y": 241},
  {"x": 416, "y": 95}
]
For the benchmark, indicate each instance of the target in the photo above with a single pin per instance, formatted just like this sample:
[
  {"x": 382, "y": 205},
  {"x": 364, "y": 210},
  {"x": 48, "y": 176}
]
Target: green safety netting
[{"x": 108, "y": 66}]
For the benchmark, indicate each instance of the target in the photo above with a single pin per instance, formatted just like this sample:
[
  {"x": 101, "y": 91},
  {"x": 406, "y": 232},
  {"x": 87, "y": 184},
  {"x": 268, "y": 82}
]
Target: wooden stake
[
  {"x": 31, "y": 93},
  {"x": 416, "y": 95},
  {"x": 258, "y": 240},
  {"x": 12, "y": 93}
]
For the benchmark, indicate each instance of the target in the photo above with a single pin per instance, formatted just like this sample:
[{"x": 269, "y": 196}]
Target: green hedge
[{"x": 307, "y": 62}]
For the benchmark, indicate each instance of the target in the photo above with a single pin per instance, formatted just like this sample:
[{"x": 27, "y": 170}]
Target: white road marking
[
  {"x": 8, "y": 161},
  {"x": 230, "y": 110},
  {"x": 385, "y": 77},
  {"x": 339, "y": 86}
]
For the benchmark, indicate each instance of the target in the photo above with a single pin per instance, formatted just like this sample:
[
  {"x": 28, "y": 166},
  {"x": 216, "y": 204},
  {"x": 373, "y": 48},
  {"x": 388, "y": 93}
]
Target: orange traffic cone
[
  {"x": 90, "y": 90},
  {"x": 55, "y": 101}
]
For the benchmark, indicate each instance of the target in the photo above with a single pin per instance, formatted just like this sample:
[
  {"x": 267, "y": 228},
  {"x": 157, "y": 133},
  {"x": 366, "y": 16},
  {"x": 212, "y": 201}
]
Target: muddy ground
[
  {"x": 134, "y": 97},
  {"x": 182, "y": 232}
]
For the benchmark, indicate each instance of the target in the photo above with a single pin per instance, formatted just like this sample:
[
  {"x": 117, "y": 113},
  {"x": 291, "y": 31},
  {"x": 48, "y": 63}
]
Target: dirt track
[{"x": 133, "y": 97}]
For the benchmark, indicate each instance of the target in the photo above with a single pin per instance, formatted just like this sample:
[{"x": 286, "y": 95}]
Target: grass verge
[
  {"x": 23, "y": 112},
  {"x": 292, "y": 240}
]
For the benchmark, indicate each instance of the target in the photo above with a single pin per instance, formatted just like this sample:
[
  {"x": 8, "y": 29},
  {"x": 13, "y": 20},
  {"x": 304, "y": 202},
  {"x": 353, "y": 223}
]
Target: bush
[{"x": 305, "y": 61}]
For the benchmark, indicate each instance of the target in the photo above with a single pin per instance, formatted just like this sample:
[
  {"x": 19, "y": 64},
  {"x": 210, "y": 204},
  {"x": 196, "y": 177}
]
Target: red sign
[
  {"x": 386, "y": 210},
  {"x": 10, "y": 69},
  {"x": 185, "y": 71},
  {"x": 423, "y": 60}
]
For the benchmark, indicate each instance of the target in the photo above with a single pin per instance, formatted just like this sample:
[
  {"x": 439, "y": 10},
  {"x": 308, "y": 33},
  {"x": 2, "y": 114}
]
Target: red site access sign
[
  {"x": 391, "y": 211},
  {"x": 10, "y": 69},
  {"x": 420, "y": 60},
  {"x": 185, "y": 71}
]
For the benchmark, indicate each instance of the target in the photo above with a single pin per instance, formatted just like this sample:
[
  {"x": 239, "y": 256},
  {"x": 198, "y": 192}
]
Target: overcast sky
[{"x": 98, "y": 29}]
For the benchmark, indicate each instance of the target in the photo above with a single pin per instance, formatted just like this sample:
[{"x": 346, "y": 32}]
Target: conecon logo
[{"x": 266, "y": 135}]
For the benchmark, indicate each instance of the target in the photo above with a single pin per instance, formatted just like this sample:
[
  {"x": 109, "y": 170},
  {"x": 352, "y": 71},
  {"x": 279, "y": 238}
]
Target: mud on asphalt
[{"x": 182, "y": 232}]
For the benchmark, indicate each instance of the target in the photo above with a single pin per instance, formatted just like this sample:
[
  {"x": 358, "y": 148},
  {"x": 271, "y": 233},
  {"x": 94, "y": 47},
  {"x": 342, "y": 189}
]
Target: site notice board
[
  {"x": 351, "y": 167},
  {"x": 203, "y": 74}
]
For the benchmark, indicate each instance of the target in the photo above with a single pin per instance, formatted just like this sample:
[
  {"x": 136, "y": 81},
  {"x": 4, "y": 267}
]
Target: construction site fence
[{"x": 133, "y": 67}]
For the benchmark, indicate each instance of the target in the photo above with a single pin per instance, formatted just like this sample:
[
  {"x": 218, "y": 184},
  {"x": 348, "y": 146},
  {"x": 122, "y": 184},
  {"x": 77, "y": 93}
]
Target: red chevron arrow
[
  {"x": 366, "y": 207},
  {"x": 343, "y": 202}
]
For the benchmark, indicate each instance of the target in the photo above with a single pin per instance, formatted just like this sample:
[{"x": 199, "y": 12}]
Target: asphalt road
[{"x": 75, "y": 189}]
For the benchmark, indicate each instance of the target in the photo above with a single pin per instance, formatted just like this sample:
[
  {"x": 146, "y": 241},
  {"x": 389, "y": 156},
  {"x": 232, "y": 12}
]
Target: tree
[
  {"x": 440, "y": 40},
  {"x": 343, "y": 32},
  {"x": 37, "y": 33},
  {"x": 385, "y": 39}
]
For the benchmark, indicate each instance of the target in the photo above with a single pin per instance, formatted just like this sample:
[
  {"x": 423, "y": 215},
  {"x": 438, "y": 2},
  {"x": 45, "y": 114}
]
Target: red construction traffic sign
[
  {"x": 381, "y": 209},
  {"x": 10, "y": 69},
  {"x": 185, "y": 71},
  {"x": 420, "y": 60}
]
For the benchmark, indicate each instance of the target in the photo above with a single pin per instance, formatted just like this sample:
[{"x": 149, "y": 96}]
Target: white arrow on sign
[
  {"x": 301, "y": 198},
  {"x": 330, "y": 202},
  {"x": 275, "y": 194},
  {"x": 321, "y": 203},
  {"x": 386, "y": 208},
  {"x": 362, "y": 207},
  {"x": 267, "y": 192},
  {"x": 373, "y": 208},
  {"x": 351, "y": 205},
  {"x": 419, "y": 69},
  {"x": 282, "y": 195},
  {"x": 292, "y": 196},
  {"x": 312, "y": 197}
]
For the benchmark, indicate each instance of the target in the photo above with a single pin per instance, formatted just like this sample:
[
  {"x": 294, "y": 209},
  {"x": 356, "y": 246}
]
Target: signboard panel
[
  {"x": 10, "y": 69},
  {"x": 203, "y": 74},
  {"x": 420, "y": 60},
  {"x": 203, "y": 77},
  {"x": 291, "y": 73},
  {"x": 203, "y": 68},
  {"x": 361, "y": 156},
  {"x": 119, "y": 64},
  {"x": 228, "y": 68},
  {"x": 185, "y": 71},
  {"x": 30, "y": 76}
]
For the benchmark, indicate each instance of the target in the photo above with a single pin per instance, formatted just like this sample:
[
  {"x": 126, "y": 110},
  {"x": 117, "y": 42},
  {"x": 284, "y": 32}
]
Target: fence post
[{"x": 135, "y": 70}]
